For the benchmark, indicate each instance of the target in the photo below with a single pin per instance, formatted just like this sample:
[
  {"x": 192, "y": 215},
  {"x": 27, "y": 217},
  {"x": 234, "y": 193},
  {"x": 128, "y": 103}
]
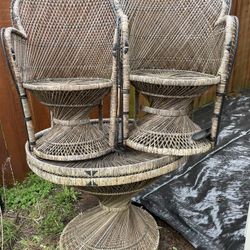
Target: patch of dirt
[{"x": 170, "y": 239}]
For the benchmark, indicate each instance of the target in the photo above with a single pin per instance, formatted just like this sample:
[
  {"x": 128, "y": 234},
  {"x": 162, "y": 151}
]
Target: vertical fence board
[
  {"x": 13, "y": 133},
  {"x": 241, "y": 72}
]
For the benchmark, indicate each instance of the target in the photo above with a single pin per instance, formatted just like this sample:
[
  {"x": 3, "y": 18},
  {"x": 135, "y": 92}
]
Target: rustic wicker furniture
[
  {"x": 61, "y": 51},
  {"x": 177, "y": 50},
  {"x": 114, "y": 179},
  {"x": 70, "y": 54},
  {"x": 77, "y": 83}
]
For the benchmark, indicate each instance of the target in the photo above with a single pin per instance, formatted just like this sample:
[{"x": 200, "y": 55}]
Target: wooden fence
[{"x": 12, "y": 130}]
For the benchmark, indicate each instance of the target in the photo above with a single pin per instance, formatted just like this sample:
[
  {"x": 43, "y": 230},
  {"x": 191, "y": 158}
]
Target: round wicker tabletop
[{"x": 116, "y": 168}]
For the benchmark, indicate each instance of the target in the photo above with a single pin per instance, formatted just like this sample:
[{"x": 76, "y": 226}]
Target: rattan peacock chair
[
  {"x": 61, "y": 51},
  {"x": 177, "y": 49}
]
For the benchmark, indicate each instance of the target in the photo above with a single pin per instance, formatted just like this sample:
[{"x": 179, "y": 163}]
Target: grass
[
  {"x": 10, "y": 233},
  {"x": 36, "y": 212}
]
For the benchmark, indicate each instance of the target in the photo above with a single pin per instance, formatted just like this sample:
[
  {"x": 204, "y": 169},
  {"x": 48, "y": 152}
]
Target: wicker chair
[
  {"x": 65, "y": 58},
  {"x": 177, "y": 50}
]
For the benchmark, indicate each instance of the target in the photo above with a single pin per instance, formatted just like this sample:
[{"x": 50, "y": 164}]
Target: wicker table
[{"x": 114, "y": 179}]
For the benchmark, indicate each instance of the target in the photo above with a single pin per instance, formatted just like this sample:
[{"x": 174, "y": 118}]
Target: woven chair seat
[
  {"x": 167, "y": 128},
  {"x": 174, "y": 77},
  {"x": 68, "y": 84}
]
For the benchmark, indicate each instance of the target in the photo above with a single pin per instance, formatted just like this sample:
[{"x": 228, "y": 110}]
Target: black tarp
[{"x": 207, "y": 199}]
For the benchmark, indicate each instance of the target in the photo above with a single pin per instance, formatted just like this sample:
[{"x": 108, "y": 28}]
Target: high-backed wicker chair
[
  {"x": 61, "y": 51},
  {"x": 177, "y": 50}
]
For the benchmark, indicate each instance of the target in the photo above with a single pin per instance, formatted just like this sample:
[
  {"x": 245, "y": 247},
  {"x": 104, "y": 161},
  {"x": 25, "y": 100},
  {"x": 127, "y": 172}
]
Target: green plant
[
  {"x": 52, "y": 224},
  {"x": 10, "y": 233},
  {"x": 57, "y": 210},
  {"x": 41, "y": 209},
  {"x": 66, "y": 195},
  {"x": 35, "y": 242},
  {"x": 25, "y": 195}
]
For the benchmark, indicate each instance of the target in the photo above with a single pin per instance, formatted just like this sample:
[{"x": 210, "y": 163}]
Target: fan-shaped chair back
[
  {"x": 66, "y": 39},
  {"x": 176, "y": 34}
]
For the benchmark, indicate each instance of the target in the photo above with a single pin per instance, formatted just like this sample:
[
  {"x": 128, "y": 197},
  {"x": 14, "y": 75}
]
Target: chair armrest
[
  {"x": 126, "y": 81},
  {"x": 13, "y": 44},
  {"x": 113, "y": 98},
  {"x": 229, "y": 51}
]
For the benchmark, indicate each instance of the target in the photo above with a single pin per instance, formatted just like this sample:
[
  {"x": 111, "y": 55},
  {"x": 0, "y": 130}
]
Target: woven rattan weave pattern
[
  {"x": 176, "y": 49},
  {"x": 72, "y": 136},
  {"x": 117, "y": 168},
  {"x": 66, "y": 39},
  {"x": 175, "y": 34},
  {"x": 168, "y": 127},
  {"x": 122, "y": 227},
  {"x": 114, "y": 179},
  {"x": 66, "y": 60},
  {"x": 71, "y": 53}
]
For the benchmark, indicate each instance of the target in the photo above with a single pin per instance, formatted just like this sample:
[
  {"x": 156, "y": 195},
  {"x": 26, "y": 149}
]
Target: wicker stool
[{"x": 114, "y": 179}]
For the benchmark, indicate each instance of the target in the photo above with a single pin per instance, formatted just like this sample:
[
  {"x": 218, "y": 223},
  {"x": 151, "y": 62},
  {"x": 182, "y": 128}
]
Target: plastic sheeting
[{"x": 207, "y": 200}]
